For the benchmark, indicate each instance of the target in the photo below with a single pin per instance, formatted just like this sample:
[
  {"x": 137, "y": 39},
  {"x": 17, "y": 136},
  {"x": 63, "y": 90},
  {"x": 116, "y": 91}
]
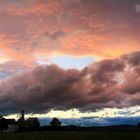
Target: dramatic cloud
[
  {"x": 35, "y": 28},
  {"x": 107, "y": 83},
  {"x": 71, "y": 34}
]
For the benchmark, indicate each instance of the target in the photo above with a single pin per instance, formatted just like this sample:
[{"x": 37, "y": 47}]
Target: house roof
[{"x": 10, "y": 121}]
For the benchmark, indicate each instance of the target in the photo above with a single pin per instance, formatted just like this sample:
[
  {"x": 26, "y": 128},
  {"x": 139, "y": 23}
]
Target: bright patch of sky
[
  {"x": 69, "y": 61},
  {"x": 104, "y": 117},
  {"x": 75, "y": 113}
]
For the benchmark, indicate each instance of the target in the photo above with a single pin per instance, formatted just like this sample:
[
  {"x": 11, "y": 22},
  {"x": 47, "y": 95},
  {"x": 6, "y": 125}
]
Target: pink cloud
[
  {"x": 94, "y": 28},
  {"x": 94, "y": 87}
]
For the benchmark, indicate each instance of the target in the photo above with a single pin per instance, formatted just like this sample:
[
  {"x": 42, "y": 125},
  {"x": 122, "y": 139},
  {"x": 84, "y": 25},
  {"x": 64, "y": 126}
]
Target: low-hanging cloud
[{"x": 107, "y": 83}]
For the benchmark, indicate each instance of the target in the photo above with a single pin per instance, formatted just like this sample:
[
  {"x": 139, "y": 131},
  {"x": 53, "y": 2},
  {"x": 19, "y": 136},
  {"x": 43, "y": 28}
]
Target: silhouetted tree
[
  {"x": 55, "y": 123},
  {"x": 32, "y": 123},
  {"x": 138, "y": 125}
]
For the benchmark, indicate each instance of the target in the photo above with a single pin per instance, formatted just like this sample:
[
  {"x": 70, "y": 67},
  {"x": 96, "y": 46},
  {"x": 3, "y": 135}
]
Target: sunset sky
[{"x": 70, "y": 58}]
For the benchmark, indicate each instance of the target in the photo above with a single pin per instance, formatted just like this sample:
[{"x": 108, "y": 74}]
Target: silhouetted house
[
  {"x": 3, "y": 124},
  {"x": 8, "y": 125},
  {"x": 12, "y": 125}
]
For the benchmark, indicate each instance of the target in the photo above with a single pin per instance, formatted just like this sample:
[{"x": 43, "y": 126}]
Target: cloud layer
[
  {"x": 107, "y": 83},
  {"x": 41, "y": 28}
]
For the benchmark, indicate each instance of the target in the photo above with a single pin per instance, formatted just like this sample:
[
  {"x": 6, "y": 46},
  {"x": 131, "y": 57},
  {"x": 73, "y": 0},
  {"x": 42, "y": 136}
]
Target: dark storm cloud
[{"x": 107, "y": 83}]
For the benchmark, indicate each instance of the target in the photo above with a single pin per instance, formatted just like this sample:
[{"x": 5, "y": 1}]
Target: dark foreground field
[{"x": 71, "y": 135}]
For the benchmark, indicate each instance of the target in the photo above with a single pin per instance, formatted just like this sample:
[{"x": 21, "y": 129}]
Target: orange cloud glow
[{"x": 76, "y": 28}]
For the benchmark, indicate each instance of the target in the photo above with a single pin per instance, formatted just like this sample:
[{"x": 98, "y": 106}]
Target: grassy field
[{"x": 71, "y": 135}]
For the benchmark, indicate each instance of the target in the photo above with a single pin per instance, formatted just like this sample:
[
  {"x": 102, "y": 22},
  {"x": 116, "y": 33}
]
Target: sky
[{"x": 65, "y": 57}]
